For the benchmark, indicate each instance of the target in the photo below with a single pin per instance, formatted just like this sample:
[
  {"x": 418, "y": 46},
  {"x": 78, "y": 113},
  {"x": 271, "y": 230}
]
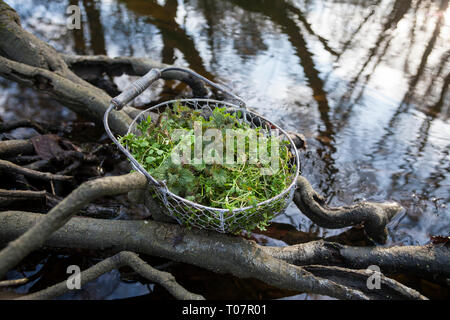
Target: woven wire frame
[{"x": 192, "y": 214}]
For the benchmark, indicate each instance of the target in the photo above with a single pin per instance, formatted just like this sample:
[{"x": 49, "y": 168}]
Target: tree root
[
  {"x": 11, "y": 148},
  {"x": 9, "y": 166},
  {"x": 275, "y": 272},
  {"x": 374, "y": 216},
  {"x": 42, "y": 128},
  {"x": 213, "y": 251},
  {"x": 22, "y": 194},
  {"x": 264, "y": 266},
  {"x": 124, "y": 258}
]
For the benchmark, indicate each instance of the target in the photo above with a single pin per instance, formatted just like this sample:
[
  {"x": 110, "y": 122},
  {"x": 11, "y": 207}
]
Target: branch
[
  {"x": 121, "y": 259},
  {"x": 374, "y": 216},
  {"x": 83, "y": 99},
  {"x": 31, "y": 62},
  {"x": 14, "y": 283},
  {"x": 24, "y": 159},
  {"x": 38, "y": 165},
  {"x": 11, "y": 148}
]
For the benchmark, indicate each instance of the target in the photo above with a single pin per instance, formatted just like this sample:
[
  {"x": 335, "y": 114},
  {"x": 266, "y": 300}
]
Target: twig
[
  {"x": 22, "y": 194},
  {"x": 69, "y": 169},
  {"x": 14, "y": 283},
  {"x": 24, "y": 159}
]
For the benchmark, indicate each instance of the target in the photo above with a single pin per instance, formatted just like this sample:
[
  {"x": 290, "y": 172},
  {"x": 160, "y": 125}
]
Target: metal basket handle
[{"x": 135, "y": 89}]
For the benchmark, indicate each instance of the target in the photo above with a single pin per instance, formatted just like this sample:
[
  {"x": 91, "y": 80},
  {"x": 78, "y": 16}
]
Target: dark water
[{"x": 365, "y": 81}]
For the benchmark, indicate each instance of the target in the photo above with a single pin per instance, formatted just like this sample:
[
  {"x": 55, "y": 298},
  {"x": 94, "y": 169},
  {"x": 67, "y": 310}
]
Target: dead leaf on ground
[{"x": 47, "y": 146}]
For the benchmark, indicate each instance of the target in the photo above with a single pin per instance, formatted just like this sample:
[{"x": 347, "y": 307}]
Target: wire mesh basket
[{"x": 187, "y": 212}]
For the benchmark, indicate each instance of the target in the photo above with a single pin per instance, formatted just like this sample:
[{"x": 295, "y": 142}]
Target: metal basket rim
[{"x": 203, "y": 207}]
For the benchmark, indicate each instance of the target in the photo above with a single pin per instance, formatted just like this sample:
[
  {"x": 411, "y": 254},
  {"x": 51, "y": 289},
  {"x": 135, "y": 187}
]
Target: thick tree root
[{"x": 374, "y": 216}]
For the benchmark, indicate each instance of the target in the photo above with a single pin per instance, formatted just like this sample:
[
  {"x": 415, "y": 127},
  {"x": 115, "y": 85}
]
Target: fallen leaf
[{"x": 47, "y": 146}]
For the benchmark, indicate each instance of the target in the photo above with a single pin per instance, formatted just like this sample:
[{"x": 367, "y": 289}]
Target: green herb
[{"x": 218, "y": 185}]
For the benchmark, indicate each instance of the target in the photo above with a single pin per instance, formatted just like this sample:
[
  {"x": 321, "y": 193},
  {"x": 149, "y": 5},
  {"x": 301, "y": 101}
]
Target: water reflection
[{"x": 365, "y": 81}]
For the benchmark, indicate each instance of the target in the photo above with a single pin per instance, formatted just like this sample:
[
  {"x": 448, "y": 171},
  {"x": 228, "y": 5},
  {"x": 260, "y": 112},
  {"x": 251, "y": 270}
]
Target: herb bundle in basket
[{"x": 221, "y": 182}]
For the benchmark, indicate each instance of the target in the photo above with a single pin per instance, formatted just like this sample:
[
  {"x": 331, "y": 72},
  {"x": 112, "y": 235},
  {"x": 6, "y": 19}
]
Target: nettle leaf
[
  {"x": 219, "y": 175},
  {"x": 172, "y": 179},
  {"x": 187, "y": 177},
  {"x": 150, "y": 159}
]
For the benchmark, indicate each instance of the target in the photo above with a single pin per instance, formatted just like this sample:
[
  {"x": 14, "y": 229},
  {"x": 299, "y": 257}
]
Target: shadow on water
[{"x": 365, "y": 81}]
